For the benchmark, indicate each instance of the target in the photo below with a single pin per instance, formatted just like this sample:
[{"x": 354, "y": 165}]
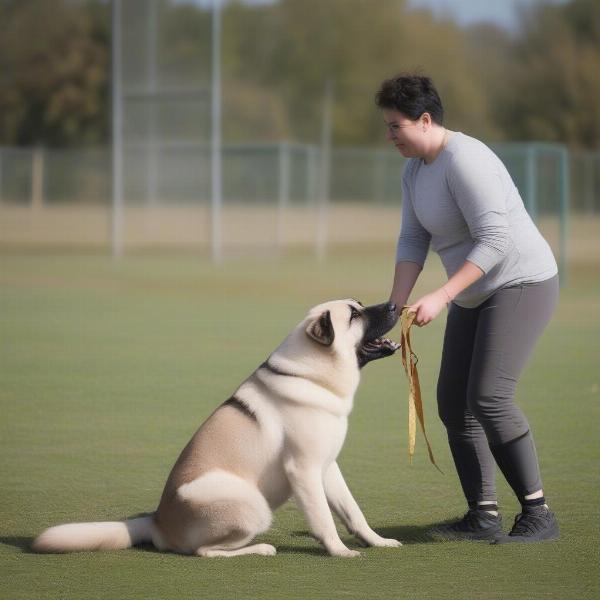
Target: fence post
[
  {"x": 531, "y": 181},
  {"x": 116, "y": 225},
  {"x": 37, "y": 178},
  {"x": 284, "y": 190},
  {"x": 216, "y": 142},
  {"x": 564, "y": 183},
  {"x": 152, "y": 157},
  {"x": 311, "y": 174},
  {"x": 325, "y": 171},
  {"x": 379, "y": 174},
  {"x": 589, "y": 184}
]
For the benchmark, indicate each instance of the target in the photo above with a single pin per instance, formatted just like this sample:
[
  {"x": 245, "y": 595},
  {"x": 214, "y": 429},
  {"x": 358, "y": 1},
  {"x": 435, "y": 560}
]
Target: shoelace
[{"x": 528, "y": 523}]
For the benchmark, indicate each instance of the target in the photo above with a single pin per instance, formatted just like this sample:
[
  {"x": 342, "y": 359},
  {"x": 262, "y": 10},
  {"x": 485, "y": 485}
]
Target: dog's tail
[{"x": 81, "y": 537}]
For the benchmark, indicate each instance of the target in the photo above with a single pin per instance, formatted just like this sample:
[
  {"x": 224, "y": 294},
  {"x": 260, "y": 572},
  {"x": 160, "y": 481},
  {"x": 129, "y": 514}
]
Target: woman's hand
[{"x": 429, "y": 307}]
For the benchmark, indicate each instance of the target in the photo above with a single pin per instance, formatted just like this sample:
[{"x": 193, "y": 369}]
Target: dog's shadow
[
  {"x": 24, "y": 543},
  {"x": 410, "y": 534},
  {"x": 21, "y": 542},
  {"x": 407, "y": 534}
]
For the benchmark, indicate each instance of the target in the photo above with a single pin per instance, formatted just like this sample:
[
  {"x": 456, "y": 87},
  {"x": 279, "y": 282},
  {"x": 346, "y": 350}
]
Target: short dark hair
[{"x": 411, "y": 95}]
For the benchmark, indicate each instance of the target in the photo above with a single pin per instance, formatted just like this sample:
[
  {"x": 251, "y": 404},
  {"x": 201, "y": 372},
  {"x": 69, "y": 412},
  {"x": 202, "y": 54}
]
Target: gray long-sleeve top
[{"x": 467, "y": 207}]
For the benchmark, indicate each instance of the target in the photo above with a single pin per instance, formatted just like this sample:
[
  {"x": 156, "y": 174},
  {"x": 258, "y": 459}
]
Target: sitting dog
[{"x": 278, "y": 435}]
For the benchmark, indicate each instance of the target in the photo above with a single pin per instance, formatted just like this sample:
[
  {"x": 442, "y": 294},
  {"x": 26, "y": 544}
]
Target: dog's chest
[
  {"x": 338, "y": 437},
  {"x": 316, "y": 435}
]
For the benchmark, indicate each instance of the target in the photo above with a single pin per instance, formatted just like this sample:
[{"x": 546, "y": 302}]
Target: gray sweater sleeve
[
  {"x": 479, "y": 192},
  {"x": 413, "y": 243}
]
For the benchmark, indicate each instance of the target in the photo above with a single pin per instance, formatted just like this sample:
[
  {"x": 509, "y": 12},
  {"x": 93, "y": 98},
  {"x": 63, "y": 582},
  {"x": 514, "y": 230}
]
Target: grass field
[{"x": 107, "y": 369}]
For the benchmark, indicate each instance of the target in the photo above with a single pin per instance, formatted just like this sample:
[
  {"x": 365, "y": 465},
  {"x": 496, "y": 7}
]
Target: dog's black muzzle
[{"x": 379, "y": 319}]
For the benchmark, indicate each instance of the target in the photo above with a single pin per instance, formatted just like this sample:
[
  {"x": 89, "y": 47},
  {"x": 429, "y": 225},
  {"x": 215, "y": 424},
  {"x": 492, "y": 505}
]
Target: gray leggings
[{"x": 485, "y": 350}]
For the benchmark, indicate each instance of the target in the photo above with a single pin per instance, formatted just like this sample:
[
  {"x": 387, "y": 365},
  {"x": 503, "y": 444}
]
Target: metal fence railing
[
  {"x": 179, "y": 172},
  {"x": 264, "y": 187}
]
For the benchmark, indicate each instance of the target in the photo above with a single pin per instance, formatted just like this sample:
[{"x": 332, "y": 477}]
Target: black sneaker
[
  {"x": 534, "y": 524},
  {"x": 475, "y": 525}
]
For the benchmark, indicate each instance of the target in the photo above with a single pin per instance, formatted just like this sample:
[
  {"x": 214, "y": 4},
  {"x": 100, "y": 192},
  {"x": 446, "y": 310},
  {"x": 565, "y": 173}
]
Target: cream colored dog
[{"x": 278, "y": 435}]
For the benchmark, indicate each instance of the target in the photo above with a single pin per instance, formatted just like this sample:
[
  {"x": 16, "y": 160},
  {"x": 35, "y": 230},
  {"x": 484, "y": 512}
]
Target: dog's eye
[{"x": 353, "y": 313}]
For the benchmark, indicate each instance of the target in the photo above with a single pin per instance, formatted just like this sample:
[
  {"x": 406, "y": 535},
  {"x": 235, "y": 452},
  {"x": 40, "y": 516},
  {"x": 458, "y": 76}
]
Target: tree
[
  {"x": 278, "y": 57},
  {"x": 54, "y": 64},
  {"x": 555, "y": 85},
  {"x": 294, "y": 47}
]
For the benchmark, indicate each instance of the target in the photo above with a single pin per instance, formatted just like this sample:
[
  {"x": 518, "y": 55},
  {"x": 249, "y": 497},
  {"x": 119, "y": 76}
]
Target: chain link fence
[
  {"x": 179, "y": 173},
  {"x": 271, "y": 194}
]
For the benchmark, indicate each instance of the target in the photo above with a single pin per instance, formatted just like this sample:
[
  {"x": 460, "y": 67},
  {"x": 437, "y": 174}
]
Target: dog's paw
[
  {"x": 346, "y": 553},
  {"x": 265, "y": 549},
  {"x": 381, "y": 542}
]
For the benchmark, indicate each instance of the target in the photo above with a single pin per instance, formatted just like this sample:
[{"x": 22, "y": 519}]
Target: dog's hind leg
[
  {"x": 231, "y": 511},
  {"x": 234, "y": 544}
]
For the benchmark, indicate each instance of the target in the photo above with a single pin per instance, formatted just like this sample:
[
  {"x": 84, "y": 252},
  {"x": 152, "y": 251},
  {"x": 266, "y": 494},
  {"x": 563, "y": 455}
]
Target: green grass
[{"x": 107, "y": 369}]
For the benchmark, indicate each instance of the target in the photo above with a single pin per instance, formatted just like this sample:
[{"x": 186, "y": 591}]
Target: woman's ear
[{"x": 426, "y": 120}]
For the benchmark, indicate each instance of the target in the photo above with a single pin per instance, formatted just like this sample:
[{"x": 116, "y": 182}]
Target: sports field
[{"x": 107, "y": 369}]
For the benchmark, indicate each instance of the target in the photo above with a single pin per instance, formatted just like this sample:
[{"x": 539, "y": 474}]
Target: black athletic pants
[{"x": 485, "y": 350}]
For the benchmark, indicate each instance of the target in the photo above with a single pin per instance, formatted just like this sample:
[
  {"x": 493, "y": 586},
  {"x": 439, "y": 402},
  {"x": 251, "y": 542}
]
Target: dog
[{"x": 277, "y": 436}]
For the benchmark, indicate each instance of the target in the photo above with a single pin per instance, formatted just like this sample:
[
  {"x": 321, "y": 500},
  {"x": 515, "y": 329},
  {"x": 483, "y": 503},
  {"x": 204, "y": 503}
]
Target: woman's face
[{"x": 407, "y": 135}]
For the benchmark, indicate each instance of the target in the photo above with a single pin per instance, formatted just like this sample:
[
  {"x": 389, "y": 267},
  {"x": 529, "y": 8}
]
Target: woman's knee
[{"x": 499, "y": 416}]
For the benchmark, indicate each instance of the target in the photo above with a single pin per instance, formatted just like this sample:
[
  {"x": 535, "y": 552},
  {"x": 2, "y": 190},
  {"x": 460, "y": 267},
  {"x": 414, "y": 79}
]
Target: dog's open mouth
[
  {"x": 381, "y": 344},
  {"x": 374, "y": 349},
  {"x": 378, "y": 320}
]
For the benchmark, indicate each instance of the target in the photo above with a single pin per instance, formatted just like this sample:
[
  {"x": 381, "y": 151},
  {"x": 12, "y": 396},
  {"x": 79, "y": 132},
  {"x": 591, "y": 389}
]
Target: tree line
[{"x": 541, "y": 82}]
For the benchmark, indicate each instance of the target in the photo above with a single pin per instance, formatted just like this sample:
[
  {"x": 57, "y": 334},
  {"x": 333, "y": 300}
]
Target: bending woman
[{"x": 501, "y": 291}]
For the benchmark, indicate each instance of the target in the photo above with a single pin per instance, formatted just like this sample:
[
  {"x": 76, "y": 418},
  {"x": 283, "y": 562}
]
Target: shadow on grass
[
  {"x": 410, "y": 534},
  {"x": 407, "y": 534},
  {"x": 314, "y": 551},
  {"x": 23, "y": 543}
]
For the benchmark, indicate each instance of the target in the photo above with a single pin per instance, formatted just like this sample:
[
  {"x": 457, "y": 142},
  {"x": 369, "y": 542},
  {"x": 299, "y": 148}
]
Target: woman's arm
[
  {"x": 428, "y": 307},
  {"x": 405, "y": 277},
  {"x": 411, "y": 249}
]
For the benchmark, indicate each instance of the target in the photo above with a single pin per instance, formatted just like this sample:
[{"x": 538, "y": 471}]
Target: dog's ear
[{"x": 321, "y": 329}]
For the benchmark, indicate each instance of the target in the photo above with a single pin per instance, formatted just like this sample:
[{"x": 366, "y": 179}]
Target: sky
[{"x": 467, "y": 12}]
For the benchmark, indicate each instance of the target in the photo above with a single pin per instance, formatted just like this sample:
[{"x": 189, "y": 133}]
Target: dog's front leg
[
  {"x": 307, "y": 485},
  {"x": 345, "y": 506}
]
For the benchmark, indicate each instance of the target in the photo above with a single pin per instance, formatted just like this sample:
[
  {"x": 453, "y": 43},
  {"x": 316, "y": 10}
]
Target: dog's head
[{"x": 347, "y": 326}]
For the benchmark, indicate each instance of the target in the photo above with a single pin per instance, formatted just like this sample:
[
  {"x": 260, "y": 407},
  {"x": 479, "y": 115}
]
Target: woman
[{"x": 501, "y": 291}]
